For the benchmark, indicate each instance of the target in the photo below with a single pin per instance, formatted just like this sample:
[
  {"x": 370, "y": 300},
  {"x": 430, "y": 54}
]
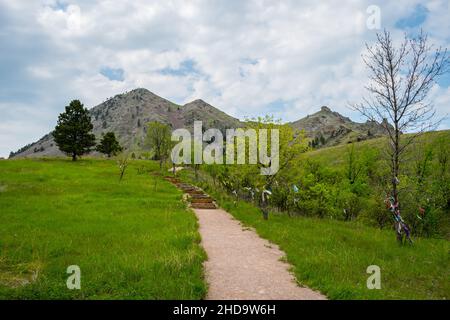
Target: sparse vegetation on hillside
[
  {"x": 327, "y": 128},
  {"x": 127, "y": 115}
]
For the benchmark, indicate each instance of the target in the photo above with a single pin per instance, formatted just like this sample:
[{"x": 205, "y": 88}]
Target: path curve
[{"x": 241, "y": 265}]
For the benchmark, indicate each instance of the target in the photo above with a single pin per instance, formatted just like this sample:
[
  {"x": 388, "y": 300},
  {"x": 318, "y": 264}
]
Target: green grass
[
  {"x": 337, "y": 155},
  {"x": 136, "y": 240},
  {"x": 133, "y": 239},
  {"x": 332, "y": 256}
]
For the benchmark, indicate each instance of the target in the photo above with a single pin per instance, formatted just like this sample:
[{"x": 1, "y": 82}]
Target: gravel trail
[{"x": 241, "y": 265}]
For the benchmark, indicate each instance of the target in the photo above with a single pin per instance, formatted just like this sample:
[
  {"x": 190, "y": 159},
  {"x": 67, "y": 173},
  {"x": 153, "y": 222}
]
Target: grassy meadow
[
  {"x": 337, "y": 155},
  {"x": 135, "y": 238},
  {"x": 132, "y": 239}
]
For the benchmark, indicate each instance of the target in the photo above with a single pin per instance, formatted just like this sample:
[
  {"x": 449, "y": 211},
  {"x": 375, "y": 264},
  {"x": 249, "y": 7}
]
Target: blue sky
[
  {"x": 113, "y": 74},
  {"x": 414, "y": 19},
  {"x": 247, "y": 58}
]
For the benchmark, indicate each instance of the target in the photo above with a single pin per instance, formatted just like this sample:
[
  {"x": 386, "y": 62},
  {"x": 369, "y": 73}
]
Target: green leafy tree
[
  {"x": 159, "y": 140},
  {"x": 292, "y": 144},
  {"x": 73, "y": 134},
  {"x": 109, "y": 145},
  {"x": 239, "y": 179}
]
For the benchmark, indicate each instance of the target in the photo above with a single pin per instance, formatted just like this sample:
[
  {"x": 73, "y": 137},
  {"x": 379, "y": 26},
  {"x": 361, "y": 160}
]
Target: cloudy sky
[{"x": 285, "y": 58}]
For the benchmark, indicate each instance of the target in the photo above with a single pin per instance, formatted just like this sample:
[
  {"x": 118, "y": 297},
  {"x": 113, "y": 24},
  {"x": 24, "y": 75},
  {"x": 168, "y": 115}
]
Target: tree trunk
[
  {"x": 395, "y": 172},
  {"x": 395, "y": 164},
  {"x": 74, "y": 157}
]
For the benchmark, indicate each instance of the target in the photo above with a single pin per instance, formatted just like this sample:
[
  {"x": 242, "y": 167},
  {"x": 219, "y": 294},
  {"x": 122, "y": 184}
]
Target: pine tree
[
  {"x": 109, "y": 145},
  {"x": 73, "y": 132},
  {"x": 322, "y": 140}
]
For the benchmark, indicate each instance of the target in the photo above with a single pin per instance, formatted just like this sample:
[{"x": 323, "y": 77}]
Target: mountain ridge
[
  {"x": 127, "y": 113},
  {"x": 328, "y": 128}
]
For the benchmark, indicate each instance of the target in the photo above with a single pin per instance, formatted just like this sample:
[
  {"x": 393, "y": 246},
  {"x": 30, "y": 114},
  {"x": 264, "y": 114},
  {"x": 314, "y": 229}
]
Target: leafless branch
[{"x": 400, "y": 79}]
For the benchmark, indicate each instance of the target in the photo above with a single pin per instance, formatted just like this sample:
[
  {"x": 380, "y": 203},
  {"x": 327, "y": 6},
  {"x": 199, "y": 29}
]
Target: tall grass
[{"x": 132, "y": 239}]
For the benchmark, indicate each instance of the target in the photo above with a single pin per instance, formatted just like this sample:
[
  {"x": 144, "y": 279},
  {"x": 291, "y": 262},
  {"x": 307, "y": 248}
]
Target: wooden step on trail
[
  {"x": 201, "y": 200},
  {"x": 197, "y": 198},
  {"x": 203, "y": 206}
]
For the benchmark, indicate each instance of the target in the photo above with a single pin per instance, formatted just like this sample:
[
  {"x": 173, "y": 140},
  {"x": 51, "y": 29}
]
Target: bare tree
[
  {"x": 123, "y": 160},
  {"x": 401, "y": 78}
]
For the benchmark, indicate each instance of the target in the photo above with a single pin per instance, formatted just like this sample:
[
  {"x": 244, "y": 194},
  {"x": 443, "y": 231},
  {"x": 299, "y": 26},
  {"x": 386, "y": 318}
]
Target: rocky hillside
[
  {"x": 328, "y": 128},
  {"x": 127, "y": 115}
]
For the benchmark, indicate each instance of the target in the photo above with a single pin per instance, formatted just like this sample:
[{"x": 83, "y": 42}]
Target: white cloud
[
  {"x": 40, "y": 72},
  {"x": 67, "y": 23}
]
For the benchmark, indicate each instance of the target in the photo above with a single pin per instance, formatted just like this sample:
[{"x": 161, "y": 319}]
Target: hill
[
  {"x": 328, "y": 128},
  {"x": 127, "y": 115}
]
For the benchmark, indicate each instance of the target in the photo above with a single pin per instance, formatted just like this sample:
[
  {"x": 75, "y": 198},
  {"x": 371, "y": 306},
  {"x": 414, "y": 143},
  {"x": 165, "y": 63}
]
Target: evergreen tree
[
  {"x": 109, "y": 145},
  {"x": 73, "y": 132},
  {"x": 322, "y": 140}
]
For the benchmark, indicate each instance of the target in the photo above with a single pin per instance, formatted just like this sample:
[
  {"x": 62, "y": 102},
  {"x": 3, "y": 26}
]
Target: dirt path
[{"x": 241, "y": 265}]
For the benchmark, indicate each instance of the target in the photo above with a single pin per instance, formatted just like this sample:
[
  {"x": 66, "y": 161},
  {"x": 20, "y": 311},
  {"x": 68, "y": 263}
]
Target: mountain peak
[
  {"x": 333, "y": 128},
  {"x": 198, "y": 101},
  {"x": 141, "y": 90},
  {"x": 138, "y": 92},
  {"x": 128, "y": 113}
]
